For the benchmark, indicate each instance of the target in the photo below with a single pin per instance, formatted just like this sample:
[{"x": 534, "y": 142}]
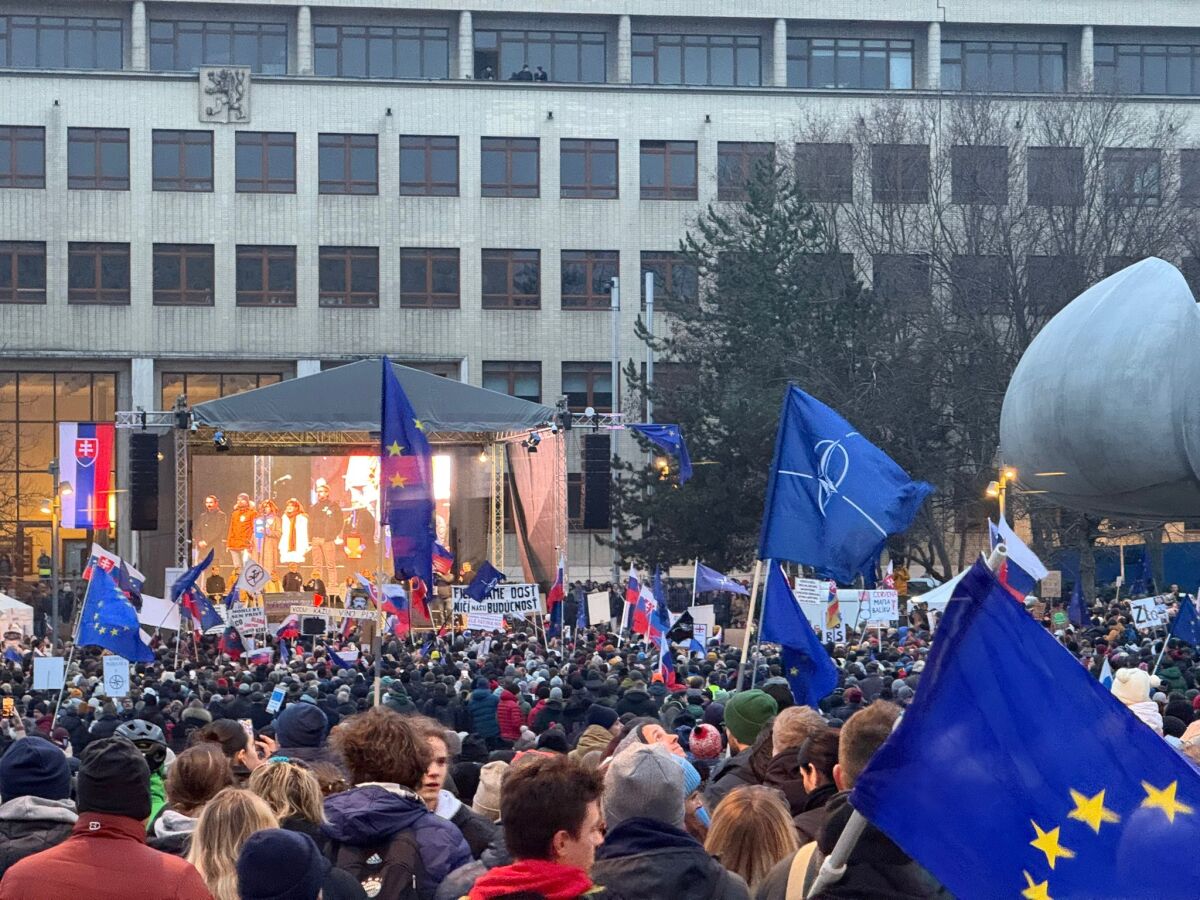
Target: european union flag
[
  {"x": 810, "y": 672},
  {"x": 711, "y": 580},
  {"x": 484, "y": 581},
  {"x": 1077, "y": 610},
  {"x": 1000, "y": 787},
  {"x": 833, "y": 497},
  {"x": 670, "y": 439},
  {"x": 1186, "y": 626},
  {"x": 405, "y": 482},
  {"x": 108, "y": 620}
]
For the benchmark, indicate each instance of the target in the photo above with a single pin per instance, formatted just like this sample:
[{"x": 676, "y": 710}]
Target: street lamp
[
  {"x": 996, "y": 490},
  {"x": 60, "y": 489}
]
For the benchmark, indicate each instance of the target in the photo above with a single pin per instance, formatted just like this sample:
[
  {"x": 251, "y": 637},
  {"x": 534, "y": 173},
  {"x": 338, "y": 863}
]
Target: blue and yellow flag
[
  {"x": 405, "y": 482},
  {"x": 109, "y": 620},
  {"x": 1014, "y": 773}
]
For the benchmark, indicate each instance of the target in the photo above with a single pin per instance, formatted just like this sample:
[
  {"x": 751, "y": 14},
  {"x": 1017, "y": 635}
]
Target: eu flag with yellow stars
[
  {"x": 109, "y": 620},
  {"x": 405, "y": 482},
  {"x": 1015, "y": 773}
]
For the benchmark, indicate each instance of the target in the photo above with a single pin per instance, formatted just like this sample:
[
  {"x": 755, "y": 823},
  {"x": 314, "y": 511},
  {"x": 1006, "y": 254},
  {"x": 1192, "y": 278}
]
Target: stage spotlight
[
  {"x": 554, "y": 428},
  {"x": 483, "y": 456},
  {"x": 220, "y": 441}
]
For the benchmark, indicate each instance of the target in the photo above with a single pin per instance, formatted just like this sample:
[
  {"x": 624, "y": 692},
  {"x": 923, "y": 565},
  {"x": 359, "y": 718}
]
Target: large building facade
[{"x": 452, "y": 184}]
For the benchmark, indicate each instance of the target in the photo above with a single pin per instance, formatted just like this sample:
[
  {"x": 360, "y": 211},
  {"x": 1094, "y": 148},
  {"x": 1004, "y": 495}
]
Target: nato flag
[
  {"x": 810, "y": 672},
  {"x": 833, "y": 497},
  {"x": 109, "y": 620},
  {"x": 1015, "y": 773},
  {"x": 669, "y": 438},
  {"x": 711, "y": 580},
  {"x": 1077, "y": 610},
  {"x": 484, "y": 581},
  {"x": 405, "y": 482}
]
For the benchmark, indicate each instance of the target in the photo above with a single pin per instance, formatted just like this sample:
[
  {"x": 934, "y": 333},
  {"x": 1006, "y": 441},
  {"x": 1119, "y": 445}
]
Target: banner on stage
[
  {"x": 279, "y": 606},
  {"x": 513, "y": 600},
  {"x": 485, "y": 622},
  {"x": 331, "y": 612}
]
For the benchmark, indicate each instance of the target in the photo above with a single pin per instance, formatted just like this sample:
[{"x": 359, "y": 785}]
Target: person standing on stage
[
  {"x": 293, "y": 538},
  {"x": 211, "y": 529},
  {"x": 325, "y": 531},
  {"x": 272, "y": 529},
  {"x": 241, "y": 530}
]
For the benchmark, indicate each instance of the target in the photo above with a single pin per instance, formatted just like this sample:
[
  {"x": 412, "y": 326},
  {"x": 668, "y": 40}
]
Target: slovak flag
[
  {"x": 231, "y": 644},
  {"x": 289, "y": 628},
  {"x": 260, "y": 656},
  {"x": 889, "y": 577},
  {"x": 395, "y": 604},
  {"x": 369, "y": 587},
  {"x": 557, "y": 591},
  {"x": 1021, "y": 570},
  {"x": 633, "y": 587},
  {"x": 397, "y": 625},
  {"x": 443, "y": 560},
  {"x": 85, "y": 461},
  {"x": 643, "y": 611},
  {"x": 666, "y": 663}
]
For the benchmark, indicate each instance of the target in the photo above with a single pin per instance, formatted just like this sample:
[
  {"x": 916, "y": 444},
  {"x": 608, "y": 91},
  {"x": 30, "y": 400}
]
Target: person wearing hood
[
  {"x": 508, "y": 714},
  {"x": 601, "y": 723},
  {"x": 380, "y": 831},
  {"x": 398, "y": 700},
  {"x": 482, "y": 706},
  {"x": 36, "y": 810},
  {"x": 197, "y": 775},
  {"x": 747, "y": 713},
  {"x": 192, "y": 719},
  {"x": 477, "y": 830},
  {"x": 646, "y": 851},
  {"x": 550, "y": 712},
  {"x": 300, "y": 733},
  {"x": 852, "y": 699},
  {"x": 105, "y": 724},
  {"x": 1132, "y": 687}
]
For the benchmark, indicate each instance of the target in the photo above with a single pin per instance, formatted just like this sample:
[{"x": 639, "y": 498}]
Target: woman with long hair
[
  {"x": 751, "y": 831},
  {"x": 196, "y": 776},
  {"x": 294, "y": 795},
  {"x": 293, "y": 539},
  {"x": 225, "y": 825},
  {"x": 272, "y": 525}
]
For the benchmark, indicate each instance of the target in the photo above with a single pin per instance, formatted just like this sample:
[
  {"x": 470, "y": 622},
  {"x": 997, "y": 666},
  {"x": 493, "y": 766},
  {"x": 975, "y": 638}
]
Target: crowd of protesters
[{"x": 494, "y": 766}]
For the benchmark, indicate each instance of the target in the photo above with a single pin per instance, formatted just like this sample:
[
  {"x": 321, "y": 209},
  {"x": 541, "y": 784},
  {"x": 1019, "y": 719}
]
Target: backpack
[{"x": 393, "y": 870}]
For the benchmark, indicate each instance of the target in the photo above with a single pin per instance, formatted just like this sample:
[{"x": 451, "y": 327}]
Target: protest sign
[
  {"x": 811, "y": 590},
  {"x": 515, "y": 601},
  {"x": 882, "y": 606},
  {"x": 279, "y": 606},
  {"x": 1146, "y": 614},
  {"x": 48, "y": 673},
  {"x": 116, "y": 676},
  {"x": 597, "y": 606},
  {"x": 247, "y": 618},
  {"x": 485, "y": 622}
]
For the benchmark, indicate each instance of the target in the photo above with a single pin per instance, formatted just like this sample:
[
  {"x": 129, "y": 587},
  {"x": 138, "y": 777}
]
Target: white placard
[
  {"x": 247, "y": 618},
  {"x": 1145, "y": 613},
  {"x": 116, "y": 676},
  {"x": 834, "y": 635},
  {"x": 597, "y": 607},
  {"x": 513, "y": 600},
  {"x": 254, "y": 577},
  {"x": 811, "y": 590},
  {"x": 485, "y": 622},
  {"x": 882, "y": 606},
  {"x": 48, "y": 672},
  {"x": 700, "y": 633},
  {"x": 331, "y": 612}
]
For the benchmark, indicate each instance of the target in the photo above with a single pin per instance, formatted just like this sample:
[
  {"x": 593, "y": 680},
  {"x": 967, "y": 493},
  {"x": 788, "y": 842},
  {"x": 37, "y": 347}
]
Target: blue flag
[
  {"x": 1077, "y": 610},
  {"x": 581, "y": 616},
  {"x": 405, "y": 482},
  {"x": 1186, "y": 627},
  {"x": 13, "y": 655},
  {"x": 660, "y": 616},
  {"x": 833, "y": 497},
  {"x": 338, "y": 661},
  {"x": 108, "y": 620},
  {"x": 1001, "y": 787},
  {"x": 711, "y": 580},
  {"x": 810, "y": 672},
  {"x": 187, "y": 580},
  {"x": 484, "y": 581},
  {"x": 670, "y": 439}
]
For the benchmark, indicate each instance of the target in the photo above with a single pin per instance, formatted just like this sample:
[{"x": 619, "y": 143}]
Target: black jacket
[
  {"x": 639, "y": 702},
  {"x": 29, "y": 825},
  {"x": 478, "y": 831},
  {"x": 732, "y": 773},
  {"x": 647, "y": 858},
  {"x": 811, "y": 816}
]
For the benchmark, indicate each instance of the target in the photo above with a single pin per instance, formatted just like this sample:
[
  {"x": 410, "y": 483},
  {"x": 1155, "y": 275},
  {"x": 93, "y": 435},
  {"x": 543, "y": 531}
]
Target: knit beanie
[
  {"x": 301, "y": 725},
  {"x": 705, "y": 742},
  {"x": 280, "y": 865},
  {"x": 747, "y": 712},
  {"x": 487, "y": 794},
  {"x": 34, "y": 767},
  {"x": 604, "y": 716},
  {"x": 1133, "y": 685},
  {"x": 114, "y": 778},
  {"x": 644, "y": 781},
  {"x": 554, "y": 740}
]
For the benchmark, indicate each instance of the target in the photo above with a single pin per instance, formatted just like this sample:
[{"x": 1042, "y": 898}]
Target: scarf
[
  {"x": 289, "y": 530},
  {"x": 551, "y": 880}
]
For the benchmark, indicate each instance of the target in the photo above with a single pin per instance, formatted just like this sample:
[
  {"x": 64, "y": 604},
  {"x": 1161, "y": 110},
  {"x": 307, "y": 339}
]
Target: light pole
[
  {"x": 58, "y": 490},
  {"x": 998, "y": 490}
]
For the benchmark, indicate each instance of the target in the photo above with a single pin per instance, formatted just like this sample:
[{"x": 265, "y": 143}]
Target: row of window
[
  {"x": 184, "y": 275},
  {"x": 383, "y": 51}
]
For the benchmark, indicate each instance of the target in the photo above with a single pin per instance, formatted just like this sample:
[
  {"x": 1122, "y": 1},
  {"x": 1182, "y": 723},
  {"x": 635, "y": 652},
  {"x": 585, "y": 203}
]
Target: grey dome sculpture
[{"x": 1108, "y": 393}]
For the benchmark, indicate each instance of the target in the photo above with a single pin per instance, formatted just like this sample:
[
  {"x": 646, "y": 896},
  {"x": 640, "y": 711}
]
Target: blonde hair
[
  {"x": 751, "y": 831},
  {"x": 224, "y": 827},
  {"x": 292, "y": 791}
]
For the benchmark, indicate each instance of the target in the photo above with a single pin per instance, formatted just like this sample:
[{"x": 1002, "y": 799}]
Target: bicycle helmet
[{"x": 148, "y": 738}]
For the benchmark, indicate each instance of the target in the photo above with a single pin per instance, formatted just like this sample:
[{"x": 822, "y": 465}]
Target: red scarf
[{"x": 551, "y": 880}]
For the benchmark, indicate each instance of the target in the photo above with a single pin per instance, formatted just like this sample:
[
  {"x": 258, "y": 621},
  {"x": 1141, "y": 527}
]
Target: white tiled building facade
[{"x": 99, "y": 187}]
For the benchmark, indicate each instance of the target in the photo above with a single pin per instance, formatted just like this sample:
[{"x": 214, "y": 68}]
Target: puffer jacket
[
  {"x": 639, "y": 702},
  {"x": 647, "y": 858},
  {"x": 508, "y": 716},
  {"x": 483, "y": 705},
  {"x": 29, "y": 825}
]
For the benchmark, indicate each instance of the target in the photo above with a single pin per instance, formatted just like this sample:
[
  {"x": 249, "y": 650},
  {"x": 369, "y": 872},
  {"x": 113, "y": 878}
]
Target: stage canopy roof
[{"x": 347, "y": 398}]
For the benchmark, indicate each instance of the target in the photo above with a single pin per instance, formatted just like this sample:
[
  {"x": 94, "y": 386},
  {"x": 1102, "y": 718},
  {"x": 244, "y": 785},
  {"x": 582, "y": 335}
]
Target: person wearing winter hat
[
  {"x": 746, "y": 714},
  {"x": 704, "y": 746},
  {"x": 106, "y": 857},
  {"x": 646, "y": 851},
  {"x": 601, "y": 728},
  {"x": 35, "y": 789},
  {"x": 300, "y": 731},
  {"x": 275, "y": 864},
  {"x": 1132, "y": 687},
  {"x": 487, "y": 794}
]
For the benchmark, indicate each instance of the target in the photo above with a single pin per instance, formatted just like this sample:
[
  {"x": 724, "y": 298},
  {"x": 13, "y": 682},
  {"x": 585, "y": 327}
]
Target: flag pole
[
  {"x": 762, "y": 607},
  {"x": 749, "y": 621},
  {"x": 71, "y": 656},
  {"x": 382, "y": 620},
  {"x": 695, "y": 576},
  {"x": 1166, "y": 641}
]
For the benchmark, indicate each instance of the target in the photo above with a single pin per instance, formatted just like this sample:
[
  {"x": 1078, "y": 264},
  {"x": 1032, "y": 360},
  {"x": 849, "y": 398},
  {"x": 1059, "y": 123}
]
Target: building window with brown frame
[
  {"x": 668, "y": 170},
  {"x": 509, "y": 167},
  {"x": 183, "y": 160},
  {"x": 22, "y": 272},
  {"x": 429, "y": 278},
  {"x": 587, "y": 169},
  {"x": 348, "y": 163},
  {"x": 265, "y": 162},
  {"x": 98, "y": 274},
  {"x": 349, "y": 277},
  {"x": 98, "y": 159},
  {"x": 183, "y": 275},
  {"x": 517, "y": 379},
  {"x": 266, "y": 275},
  {"x": 22, "y": 157},
  {"x": 512, "y": 279},
  {"x": 428, "y": 166},
  {"x": 588, "y": 384},
  {"x": 587, "y": 278},
  {"x": 739, "y": 163}
]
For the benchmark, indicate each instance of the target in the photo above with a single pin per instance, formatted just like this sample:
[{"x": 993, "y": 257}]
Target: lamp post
[
  {"x": 998, "y": 490},
  {"x": 58, "y": 489}
]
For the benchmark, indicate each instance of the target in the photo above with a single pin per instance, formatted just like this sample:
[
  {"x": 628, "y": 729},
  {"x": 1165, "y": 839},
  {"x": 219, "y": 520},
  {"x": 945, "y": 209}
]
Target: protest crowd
[{"x": 497, "y": 765}]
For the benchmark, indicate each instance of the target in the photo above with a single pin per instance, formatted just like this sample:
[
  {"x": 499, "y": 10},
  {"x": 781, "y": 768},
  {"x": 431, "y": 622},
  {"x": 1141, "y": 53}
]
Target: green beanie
[{"x": 746, "y": 712}]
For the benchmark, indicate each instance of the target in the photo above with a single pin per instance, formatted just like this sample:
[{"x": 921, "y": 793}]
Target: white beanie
[{"x": 1133, "y": 685}]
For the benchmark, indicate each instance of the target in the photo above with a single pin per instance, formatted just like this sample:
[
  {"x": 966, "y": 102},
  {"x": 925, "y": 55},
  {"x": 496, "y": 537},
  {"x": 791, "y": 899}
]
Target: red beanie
[{"x": 705, "y": 742}]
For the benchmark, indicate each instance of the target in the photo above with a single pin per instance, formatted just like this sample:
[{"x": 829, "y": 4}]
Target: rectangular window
[
  {"x": 1172, "y": 69},
  {"x": 183, "y": 160},
  {"x": 1132, "y": 177},
  {"x": 739, "y": 163},
  {"x": 55, "y": 42},
  {"x": 428, "y": 166},
  {"x": 186, "y": 46},
  {"x": 512, "y": 279},
  {"x": 979, "y": 175},
  {"x": 357, "y": 51},
  {"x": 349, "y": 277},
  {"x": 829, "y": 274},
  {"x": 849, "y": 64},
  {"x": 98, "y": 274},
  {"x": 703, "y": 59},
  {"x": 1055, "y": 176},
  {"x": 587, "y": 169},
  {"x": 571, "y": 56},
  {"x": 1189, "y": 177},
  {"x": 588, "y": 384},
  {"x": 1051, "y": 282},
  {"x": 22, "y": 272},
  {"x": 98, "y": 159},
  {"x": 183, "y": 275},
  {"x": 900, "y": 173},
  {"x": 676, "y": 278},
  {"x": 429, "y": 278},
  {"x": 22, "y": 157},
  {"x": 1004, "y": 67},
  {"x": 509, "y": 167},
  {"x": 202, "y": 386},
  {"x": 901, "y": 279},
  {"x": 668, "y": 170},
  {"x": 587, "y": 278},
  {"x": 348, "y": 163},
  {"x": 825, "y": 172},
  {"x": 266, "y": 275},
  {"x": 517, "y": 379},
  {"x": 980, "y": 283},
  {"x": 265, "y": 162}
]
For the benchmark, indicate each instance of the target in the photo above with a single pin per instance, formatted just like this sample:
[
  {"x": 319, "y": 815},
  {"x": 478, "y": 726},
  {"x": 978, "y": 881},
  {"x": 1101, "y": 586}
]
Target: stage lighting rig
[{"x": 220, "y": 442}]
